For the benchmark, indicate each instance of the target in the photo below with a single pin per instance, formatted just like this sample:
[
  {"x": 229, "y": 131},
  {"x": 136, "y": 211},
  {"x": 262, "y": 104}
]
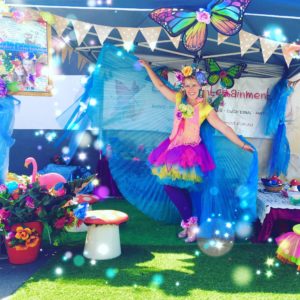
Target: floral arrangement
[
  {"x": 188, "y": 71},
  {"x": 27, "y": 202},
  {"x": 23, "y": 238},
  {"x": 6, "y": 68},
  {"x": 185, "y": 111}
]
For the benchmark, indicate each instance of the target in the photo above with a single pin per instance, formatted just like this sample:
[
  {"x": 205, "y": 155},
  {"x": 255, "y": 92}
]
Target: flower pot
[{"x": 29, "y": 255}]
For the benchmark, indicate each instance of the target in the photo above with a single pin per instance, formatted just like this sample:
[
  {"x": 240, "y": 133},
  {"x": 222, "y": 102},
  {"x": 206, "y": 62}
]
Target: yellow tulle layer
[{"x": 177, "y": 174}]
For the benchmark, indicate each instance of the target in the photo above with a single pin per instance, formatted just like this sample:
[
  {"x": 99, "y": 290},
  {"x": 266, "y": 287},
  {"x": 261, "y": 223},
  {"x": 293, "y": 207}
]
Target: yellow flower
[
  {"x": 187, "y": 71},
  {"x": 22, "y": 233}
]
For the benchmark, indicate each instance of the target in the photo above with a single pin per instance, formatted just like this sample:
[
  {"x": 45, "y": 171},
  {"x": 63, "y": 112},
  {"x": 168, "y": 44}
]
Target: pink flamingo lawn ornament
[{"x": 49, "y": 180}]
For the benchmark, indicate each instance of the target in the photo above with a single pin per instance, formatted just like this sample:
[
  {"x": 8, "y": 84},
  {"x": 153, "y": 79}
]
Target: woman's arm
[
  {"x": 168, "y": 93},
  {"x": 217, "y": 123}
]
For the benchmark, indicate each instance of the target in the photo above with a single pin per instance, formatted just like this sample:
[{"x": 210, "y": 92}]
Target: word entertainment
[{"x": 233, "y": 93}]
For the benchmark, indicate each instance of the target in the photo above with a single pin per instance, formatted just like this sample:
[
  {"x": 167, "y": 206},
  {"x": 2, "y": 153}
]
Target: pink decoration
[
  {"x": 102, "y": 192},
  {"x": 203, "y": 16},
  {"x": 223, "y": 74},
  {"x": 179, "y": 76},
  {"x": 18, "y": 16},
  {"x": 49, "y": 180}
]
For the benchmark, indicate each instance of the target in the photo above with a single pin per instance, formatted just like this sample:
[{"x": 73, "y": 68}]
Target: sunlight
[{"x": 180, "y": 262}]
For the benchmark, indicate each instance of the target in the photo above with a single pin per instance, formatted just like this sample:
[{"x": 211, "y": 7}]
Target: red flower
[
  {"x": 60, "y": 223},
  {"x": 4, "y": 214},
  {"x": 29, "y": 202}
]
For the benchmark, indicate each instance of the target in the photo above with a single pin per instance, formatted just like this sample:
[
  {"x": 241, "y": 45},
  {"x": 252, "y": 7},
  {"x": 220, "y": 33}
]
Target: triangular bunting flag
[
  {"x": 83, "y": 63},
  {"x": 128, "y": 34},
  {"x": 286, "y": 53},
  {"x": 81, "y": 29},
  {"x": 80, "y": 59},
  {"x": 246, "y": 41},
  {"x": 222, "y": 38},
  {"x": 64, "y": 53},
  {"x": 70, "y": 52},
  {"x": 151, "y": 35},
  {"x": 175, "y": 40},
  {"x": 268, "y": 47},
  {"x": 103, "y": 32},
  {"x": 60, "y": 25}
]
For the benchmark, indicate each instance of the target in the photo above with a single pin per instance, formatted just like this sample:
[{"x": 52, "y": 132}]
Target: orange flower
[
  {"x": 32, "y": 241},
  {"x": 22, "y": 233}
]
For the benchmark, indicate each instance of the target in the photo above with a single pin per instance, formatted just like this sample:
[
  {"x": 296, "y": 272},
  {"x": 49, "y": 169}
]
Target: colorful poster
[{"x": 24, "y": 56}]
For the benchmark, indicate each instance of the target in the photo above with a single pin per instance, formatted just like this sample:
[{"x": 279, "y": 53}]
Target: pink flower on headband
[
  {"x": 179, "y": 76},
  {"x": 203, "y": 16}
]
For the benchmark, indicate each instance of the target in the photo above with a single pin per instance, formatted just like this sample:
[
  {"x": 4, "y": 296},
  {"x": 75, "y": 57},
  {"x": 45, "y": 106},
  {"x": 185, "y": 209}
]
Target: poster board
[{"x": 25, "y": 55}]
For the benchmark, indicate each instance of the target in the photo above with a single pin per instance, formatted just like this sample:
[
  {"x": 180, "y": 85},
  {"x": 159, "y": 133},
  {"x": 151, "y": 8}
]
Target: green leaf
[{"x": 13, "y": 87}]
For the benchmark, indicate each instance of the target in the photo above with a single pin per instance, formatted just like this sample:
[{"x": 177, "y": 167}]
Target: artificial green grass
[{"x": 156, "y": 265}]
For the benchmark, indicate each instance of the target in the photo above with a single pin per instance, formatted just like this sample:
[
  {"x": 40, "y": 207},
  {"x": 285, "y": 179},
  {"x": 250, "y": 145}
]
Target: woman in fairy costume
[{"x": 182, "y": 160}]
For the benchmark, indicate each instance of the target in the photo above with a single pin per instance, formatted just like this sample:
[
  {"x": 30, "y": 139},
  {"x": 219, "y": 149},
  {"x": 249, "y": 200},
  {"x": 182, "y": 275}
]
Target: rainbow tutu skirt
[
  {"x": 182, "y": 166},
  {"x": 289, "y": 247}
]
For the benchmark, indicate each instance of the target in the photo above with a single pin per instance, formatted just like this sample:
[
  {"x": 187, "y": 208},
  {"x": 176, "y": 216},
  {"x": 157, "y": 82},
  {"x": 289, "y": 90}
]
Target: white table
[{"x": 267, "y": 200}]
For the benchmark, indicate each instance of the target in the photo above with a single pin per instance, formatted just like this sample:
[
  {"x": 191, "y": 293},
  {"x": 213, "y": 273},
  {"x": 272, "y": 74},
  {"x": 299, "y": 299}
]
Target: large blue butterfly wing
[
  {"x": 195, "y": 37},
  {"x": 173, "y": 20},
  {"x": 227, "y": 16}
]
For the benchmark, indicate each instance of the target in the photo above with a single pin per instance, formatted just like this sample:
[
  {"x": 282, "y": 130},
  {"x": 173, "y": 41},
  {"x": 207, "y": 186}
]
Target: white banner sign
[{"x": 243, "y": 104}]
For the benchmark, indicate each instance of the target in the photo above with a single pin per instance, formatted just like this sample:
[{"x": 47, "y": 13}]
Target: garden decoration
[{"x": 226, "y": 16}]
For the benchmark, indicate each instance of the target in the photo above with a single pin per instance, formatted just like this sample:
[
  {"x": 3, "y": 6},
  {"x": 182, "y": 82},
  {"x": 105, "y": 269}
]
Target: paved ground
[{"x": 13, "y": 276}]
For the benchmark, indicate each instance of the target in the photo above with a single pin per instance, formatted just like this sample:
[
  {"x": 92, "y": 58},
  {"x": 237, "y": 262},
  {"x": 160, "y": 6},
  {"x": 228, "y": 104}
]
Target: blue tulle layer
[
  {"x": 134, "y": 118},
  {"x": 274, "y": 118},
  {"x": 6, "y": 128}
]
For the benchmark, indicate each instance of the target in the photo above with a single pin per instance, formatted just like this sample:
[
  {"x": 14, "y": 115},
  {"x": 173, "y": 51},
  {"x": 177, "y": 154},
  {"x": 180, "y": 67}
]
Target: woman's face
[{"x": 192, "y": 88}]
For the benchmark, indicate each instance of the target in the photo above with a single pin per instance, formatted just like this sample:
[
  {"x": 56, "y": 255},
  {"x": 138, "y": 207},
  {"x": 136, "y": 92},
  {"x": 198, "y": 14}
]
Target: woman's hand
[
  {"x": 248, "y": 148},
  {"x": 144, "y": 63}
]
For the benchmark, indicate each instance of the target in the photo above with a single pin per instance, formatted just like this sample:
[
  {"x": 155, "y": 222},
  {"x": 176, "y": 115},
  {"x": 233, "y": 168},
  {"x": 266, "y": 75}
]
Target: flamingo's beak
[{"x": 26, "y": 164}]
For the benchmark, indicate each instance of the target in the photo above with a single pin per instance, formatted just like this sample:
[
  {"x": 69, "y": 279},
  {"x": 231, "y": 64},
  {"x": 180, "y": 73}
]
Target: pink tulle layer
[
  {"x": 289, "y": 243},
  {"x": 186, "y": 156}
]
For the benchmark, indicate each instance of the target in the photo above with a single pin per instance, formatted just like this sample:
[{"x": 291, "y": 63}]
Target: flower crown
[{"x": 188, "y": 71}]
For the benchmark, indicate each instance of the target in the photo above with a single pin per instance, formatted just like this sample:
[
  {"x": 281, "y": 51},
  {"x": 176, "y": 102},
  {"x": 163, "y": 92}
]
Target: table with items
[{"x": 272, "y": 207}]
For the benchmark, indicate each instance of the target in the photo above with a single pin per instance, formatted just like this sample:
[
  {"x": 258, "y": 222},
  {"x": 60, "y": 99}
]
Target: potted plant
[{"x": 25, "y": 208}]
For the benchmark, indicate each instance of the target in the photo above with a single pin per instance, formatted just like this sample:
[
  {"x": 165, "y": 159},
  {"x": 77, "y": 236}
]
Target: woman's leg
[{"x": 182, "y": 201}]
